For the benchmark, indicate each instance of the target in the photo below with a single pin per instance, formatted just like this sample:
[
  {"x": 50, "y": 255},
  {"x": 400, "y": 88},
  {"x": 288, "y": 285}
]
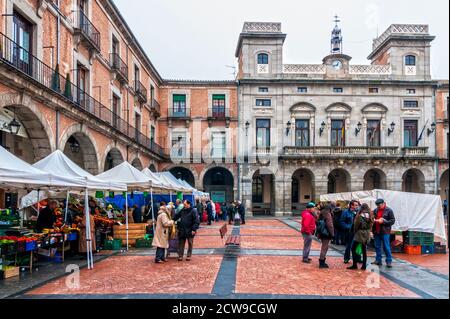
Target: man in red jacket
[{"x": 308, "y": 229}]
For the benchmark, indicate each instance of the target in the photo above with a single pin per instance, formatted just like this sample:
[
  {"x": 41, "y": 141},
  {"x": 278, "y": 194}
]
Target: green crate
[
  {"x": 144, "y": 243},
  {"x": 418, "y": 238},
  {"x": 115, "y": 244}
]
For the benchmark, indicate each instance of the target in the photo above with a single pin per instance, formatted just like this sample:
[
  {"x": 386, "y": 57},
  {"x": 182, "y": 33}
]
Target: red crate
[{"x": 413, "y": 250}]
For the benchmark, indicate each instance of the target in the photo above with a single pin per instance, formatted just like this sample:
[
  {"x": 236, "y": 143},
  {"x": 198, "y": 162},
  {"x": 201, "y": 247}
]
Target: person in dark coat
[
  {"x": 241, "y": 211},
  {"x": 346, "y": 225},
  {"x": 326, "y": 217},
  {"x": 209, "y": 211},
  {"x": 46, "y": 217},
  {"x": 337, "y": 212},
  {"x": 137, "y": 214},
  {"x": 187, "y": 226},
  {"x": 384, "y": 220},
  {"x": 361, "y": 227}
]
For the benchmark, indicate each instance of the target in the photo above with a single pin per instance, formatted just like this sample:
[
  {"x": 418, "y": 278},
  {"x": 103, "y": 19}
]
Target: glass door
[{"x": 22, "y": 36}]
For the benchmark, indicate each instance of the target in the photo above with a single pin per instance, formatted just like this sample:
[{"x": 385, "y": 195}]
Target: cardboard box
[{"x": 9, "y": 272}]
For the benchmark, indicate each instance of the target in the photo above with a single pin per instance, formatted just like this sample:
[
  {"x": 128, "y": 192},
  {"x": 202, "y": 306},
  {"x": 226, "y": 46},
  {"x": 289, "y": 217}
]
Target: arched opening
[
  {"x": 338, "y": 181},
  {"x": 136, "y": 163},
  {"x": 444, "y": 185},
  {"x": 374, "y": 179},
  {"x": 184, "y": 174},
  {"x": 32, "y": 143},
  {"x": 152, "y": 168},
  {"x": 80, "y": 149},
  {"x": 113, "y": 158},
  {"x": 413, "y": 181},
  {"x": 219, "y": 183},
  {"x": 263, "y": 193},
  {"x": 302, "y": 190}
]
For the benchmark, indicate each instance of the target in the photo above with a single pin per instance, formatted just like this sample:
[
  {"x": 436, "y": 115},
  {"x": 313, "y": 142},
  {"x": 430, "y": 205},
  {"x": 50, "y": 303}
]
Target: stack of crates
[
  {"x": 418, "y": 243},
  {"x": 115, "y": 244}
]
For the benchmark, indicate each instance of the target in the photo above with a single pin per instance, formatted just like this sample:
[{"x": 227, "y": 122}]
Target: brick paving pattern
[{"x": 265, "y": 268}]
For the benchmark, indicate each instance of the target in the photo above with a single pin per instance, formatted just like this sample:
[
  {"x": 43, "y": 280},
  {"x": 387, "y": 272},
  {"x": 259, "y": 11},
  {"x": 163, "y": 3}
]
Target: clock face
[{"x": 337, "y": 65}]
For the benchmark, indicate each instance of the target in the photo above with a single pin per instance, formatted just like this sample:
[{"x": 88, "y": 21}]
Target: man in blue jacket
[{"x": 346, "y": 225}]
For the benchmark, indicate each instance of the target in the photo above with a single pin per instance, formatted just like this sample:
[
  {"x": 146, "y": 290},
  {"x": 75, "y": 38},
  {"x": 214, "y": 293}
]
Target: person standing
[
  {"x": 362, "y": 227},
  {"x": 308, "y": 229},
  {"x": 187, "y": 225},
  {"x": 46, "y": 217},
  {"x": 179, "y": 206},
  {"x": 346, "y": 225},
  {"x": 209, "y": 211},
  {"x": 137, "y": 216},
  {"x": 241, "y": 211},
  {"x": 83, "y": 244},
  {"x": 199, "y": 207},
  {"x": 218, "y": 211},
  {"x": 384, "y": 220},
  {"x": 231, "y": 211},
  {"x": 325, "y": 231},
  {"x": 337, "y": 212},
  {"x": 161, "y": 239}
]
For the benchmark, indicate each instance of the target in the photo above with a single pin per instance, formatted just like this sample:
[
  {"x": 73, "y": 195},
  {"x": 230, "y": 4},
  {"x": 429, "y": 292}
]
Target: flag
[{"x": 421, "y": 134}]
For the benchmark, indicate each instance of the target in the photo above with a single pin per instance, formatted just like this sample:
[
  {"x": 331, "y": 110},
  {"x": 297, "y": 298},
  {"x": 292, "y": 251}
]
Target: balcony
[
  {"x": 84, "y": 27},
  {"x": 140, "y": 91},
  {"x": 18, "y": 60},
  {"x": 179, "y": 113},
  {"x": 218, "y": 113},
  {"x": 119, "y": 66},
  {"x": 331, "y": 151},
  {"x": 155, "y": 107},
  {"x": 415, "y": 151}
]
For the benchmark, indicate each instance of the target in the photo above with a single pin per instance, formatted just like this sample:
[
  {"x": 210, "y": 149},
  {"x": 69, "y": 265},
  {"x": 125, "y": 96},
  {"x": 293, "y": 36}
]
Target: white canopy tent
[
  {"x": 414, "y": 212},
  {"x": 134, "y": 179},
  {"x": 155, "y": 179}
]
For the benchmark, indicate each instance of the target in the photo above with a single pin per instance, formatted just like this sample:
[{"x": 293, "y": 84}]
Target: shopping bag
[{"x": 359, "y": 250}]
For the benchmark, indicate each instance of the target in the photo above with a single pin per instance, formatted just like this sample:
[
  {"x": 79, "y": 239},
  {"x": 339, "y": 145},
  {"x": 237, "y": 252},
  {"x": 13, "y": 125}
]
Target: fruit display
[
  {"x": 103, "y": 221},
  {"x": 59, "y": 218}
]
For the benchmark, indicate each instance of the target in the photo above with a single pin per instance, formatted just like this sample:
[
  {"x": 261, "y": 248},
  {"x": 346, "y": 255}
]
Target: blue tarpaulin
[{"x": 139, "y": 199}]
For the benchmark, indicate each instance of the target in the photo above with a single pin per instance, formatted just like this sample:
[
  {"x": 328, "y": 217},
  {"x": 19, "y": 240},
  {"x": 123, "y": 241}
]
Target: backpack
[{"x": 321, "y": 230}]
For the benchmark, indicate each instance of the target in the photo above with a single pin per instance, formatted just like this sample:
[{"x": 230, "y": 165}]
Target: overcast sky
[{"x": 196, "y": 39}]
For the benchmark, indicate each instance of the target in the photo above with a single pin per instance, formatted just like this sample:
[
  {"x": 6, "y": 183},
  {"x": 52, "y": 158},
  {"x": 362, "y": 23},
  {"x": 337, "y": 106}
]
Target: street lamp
[
  {"x": 432, "y": 130},
  {"x": 358, "y": 128},
  {"x": 74, "y": 145},
  {"x": 391, "y": 130},
  {"x": 14, "y": 126},
  {"x": 247, "y": 126},
  {"x": 288, "y": 127},
  {"x": 322, "y": 128}
]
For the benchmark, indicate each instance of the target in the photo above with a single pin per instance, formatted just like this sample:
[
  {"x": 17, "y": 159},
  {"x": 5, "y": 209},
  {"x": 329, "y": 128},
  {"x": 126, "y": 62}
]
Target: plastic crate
[
  {"x": 115, "y": 244},
  {"x": 72, "y": 237},
  {"x": 144, "y": 243},
  {"x": 418, "y": 238},
  {"x": 427, "y": 249},
  {"x": 413, "y": 250}
]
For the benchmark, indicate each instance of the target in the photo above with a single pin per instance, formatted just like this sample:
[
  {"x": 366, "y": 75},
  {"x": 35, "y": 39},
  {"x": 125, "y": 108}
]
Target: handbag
[{"x": 359, "y": 249}]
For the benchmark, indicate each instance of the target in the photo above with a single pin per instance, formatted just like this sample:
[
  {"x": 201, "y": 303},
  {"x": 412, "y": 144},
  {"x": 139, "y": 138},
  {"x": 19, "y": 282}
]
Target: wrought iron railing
[
  {"x": 141, "y": 91},
  {"x": 86, "y": 28},
  {"x": 155, "y": 106},
  {"x": 218, "y": 112},
  {"x": 21, "y": 60},
  {"x": 118, "y": 65},
  {"x": 179, "y": 112}
]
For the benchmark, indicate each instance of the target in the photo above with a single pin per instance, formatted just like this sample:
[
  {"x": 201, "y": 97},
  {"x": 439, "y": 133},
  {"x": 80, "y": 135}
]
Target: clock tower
[{"x": 337, "y": 63}]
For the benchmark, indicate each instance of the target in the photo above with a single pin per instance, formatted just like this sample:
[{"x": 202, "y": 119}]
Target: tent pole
[
  {"x": 67, "y": 206},
  {"x": 87, "y": 227},
  {"x": 126, "y": 215},
  {"x": 153, "y": 211},
  {"x": 171, "y": 196}
]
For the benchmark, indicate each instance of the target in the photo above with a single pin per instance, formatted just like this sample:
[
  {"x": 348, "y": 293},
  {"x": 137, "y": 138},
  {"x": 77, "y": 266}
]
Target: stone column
[
  {"x": 394, "y": 185},
  {"x": 282, "y": 198},
  {"x": 321, "y": 188},
  {"x": 247, "y": 195},
  {"x": 430, "y": 187},
  {"x": 357, "y": 185}
]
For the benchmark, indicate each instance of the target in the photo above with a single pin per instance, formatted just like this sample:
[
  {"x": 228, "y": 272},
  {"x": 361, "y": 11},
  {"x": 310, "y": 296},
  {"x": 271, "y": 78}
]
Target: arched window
[
  {"x": 410, "y": 60},
  {"x": 257, "y": 190},
  {"x": 263, "y": 58}
]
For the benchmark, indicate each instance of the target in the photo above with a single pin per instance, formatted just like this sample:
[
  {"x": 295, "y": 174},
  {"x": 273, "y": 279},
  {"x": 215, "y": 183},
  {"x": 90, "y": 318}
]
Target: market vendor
[
  {"x": 82, "y": 246},
  {"x": 93, "y": 206},
  {"x": 46, "y": 217}
]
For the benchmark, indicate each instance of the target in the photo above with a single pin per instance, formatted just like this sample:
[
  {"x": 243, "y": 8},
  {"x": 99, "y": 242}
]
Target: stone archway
[
  {"x": 443, "y": 185},
  {"x": 80, "y": 149},
  {"x": 219, "y": 182},
  {"x": 136, "y": 163},
  {"x": 112, "y": 159},
  {"x": 413, "y": 181},
  {"x": 374, "y": 179},
  {"x": 263, "y": 192},
  {"x": 339, "y": 181},
  {"x": 39, "y": 142},
  {"x": 184, "y": 174},
  {"x": 302, "y": 190}
]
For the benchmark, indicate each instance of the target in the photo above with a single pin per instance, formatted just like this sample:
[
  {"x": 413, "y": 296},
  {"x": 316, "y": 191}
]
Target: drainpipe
[
  {"x": 238, "y": 140},
  {"x": 436, "y": 155},
  {"x": 57, "y": 130},
  {"x": 58, "y": 32}
]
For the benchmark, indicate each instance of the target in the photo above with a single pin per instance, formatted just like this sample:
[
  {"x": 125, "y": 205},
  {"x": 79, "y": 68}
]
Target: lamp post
[
  {"x": 391, "y": 129},
  {"x": 358, "y": 128},
  {"x": 322, "y": 128}
]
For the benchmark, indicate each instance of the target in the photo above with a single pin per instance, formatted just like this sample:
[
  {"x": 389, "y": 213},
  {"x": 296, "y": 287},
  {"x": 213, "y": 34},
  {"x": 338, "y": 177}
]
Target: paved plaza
[{"x": 268, "y": 265}]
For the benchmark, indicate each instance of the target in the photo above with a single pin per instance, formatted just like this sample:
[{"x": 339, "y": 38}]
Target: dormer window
[
  {"x": 263, "y": 58},
  {"x": 410, "y": 60}
]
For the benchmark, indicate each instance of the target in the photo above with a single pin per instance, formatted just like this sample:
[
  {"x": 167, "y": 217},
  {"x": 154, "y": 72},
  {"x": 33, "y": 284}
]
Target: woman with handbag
[
  {"x": 325, "y": 232},
  {"x": 161, "y": 239},
  {"x": 362, "y": 227}
]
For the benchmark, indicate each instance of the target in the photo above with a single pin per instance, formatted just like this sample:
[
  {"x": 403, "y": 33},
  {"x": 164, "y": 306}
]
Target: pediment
[
  {"x": 303, "y": 108},
  {"x": 374, "y": 108},
  {"x": 339, "y": 108}
]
